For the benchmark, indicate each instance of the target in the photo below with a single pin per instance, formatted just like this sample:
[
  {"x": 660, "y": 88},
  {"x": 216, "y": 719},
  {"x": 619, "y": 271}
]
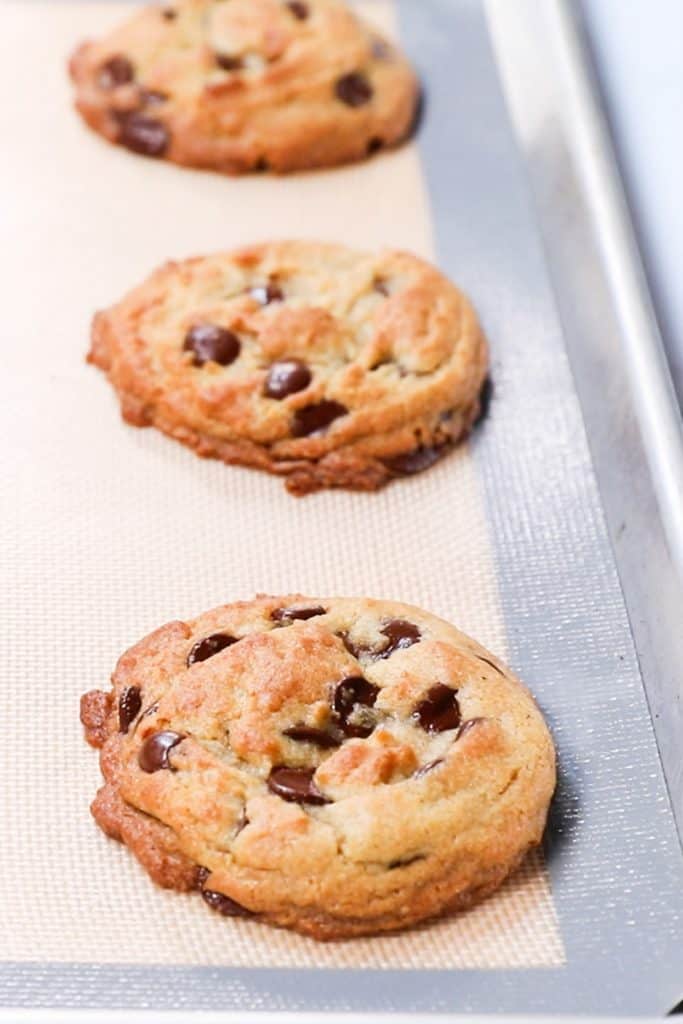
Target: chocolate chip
[
  {"x": 151, "y": 97},
  {"x": 228, "y": 62},
  {"x": 416, "y": 461},
  {"x": 295, "y": 785},
  {"x": 485, "y": 399},
  {"x": 289, "y": 614},
  {"x": 130, "y": 703},
  {"x": 114, "y": 72},
  {"x": 143, "y": 134},
  {"x": 439, "y": 711},
  {"x": 354, "y": 690},
  {"x": 267, "y": 293},
  {"x": 211, "y": 343},
  {"x": 224, "y": 905},
  {"x": 374, "y": 144},
  {"x": 209, "y": 646},
  {"x": 354, "y": 649},
  {"x": 286, "y": 378},
  {"x": 298, "y": 9},
  {"x": 466, "y": 726},
  {"x": 351, "y": 695},
  {"x": 309, "y": 734},
  {"x": 353, "y": 89},
  {"x": 380, "y": 285},
  {"x": 313, "y": 419},
  {"x": 426, "y": 768},
  {"x": 401, "y": 634},
  {"x": 169, "y": 14},
  {"x": 153, "y": 755}
]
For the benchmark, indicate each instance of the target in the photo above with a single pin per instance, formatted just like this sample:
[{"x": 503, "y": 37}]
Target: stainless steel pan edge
[
  {"x": 620, "y": 370},
  {"x": 21, "y": 1016}
]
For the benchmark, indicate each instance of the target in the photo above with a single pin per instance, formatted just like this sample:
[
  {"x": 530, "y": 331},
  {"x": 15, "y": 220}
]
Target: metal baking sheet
[{"x": 580, "y": 474}]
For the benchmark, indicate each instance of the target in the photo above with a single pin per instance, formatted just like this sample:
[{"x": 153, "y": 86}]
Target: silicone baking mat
[{"x": 112, "y": 531}]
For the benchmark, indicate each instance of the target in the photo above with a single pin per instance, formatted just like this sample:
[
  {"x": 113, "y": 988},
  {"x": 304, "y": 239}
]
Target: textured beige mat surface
[{"x": 108, "y": 531}]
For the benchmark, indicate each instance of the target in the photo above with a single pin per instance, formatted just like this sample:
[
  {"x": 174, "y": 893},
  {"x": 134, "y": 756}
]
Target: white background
[{"x": 637, "y": 46}]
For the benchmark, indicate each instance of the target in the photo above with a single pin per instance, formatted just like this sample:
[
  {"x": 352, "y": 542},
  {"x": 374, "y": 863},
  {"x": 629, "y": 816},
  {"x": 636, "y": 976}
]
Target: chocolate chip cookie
[
  {"x": 329, "y": 367},
  {"x": 243, "y": 85},
  {"x": 335, "y": 766}
]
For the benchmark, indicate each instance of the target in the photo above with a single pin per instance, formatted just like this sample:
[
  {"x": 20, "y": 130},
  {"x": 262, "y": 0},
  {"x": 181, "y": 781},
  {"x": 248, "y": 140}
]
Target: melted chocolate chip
[
  {"x": 309, "y": 734},
  {"x": 224, "y": 905},
  {"x": 439, "y": 711},
  {"x": 130, "y": 703},
  {"x": 228, "y": 62},
  {"x": 351, "y": 691},
  {"x": 209, "y": 646},
  {"x": 114, "y": 72},
  {"x": 353, "y": 89},
  {"x": 295, "y": 785},
  {"x": 211, "y": 343},
  {"x": 350, "y": 696},
  {"x": 401, "y": 634},
  {"x": 374, "y": 144},
  {"x": 143, "y": 134},
  {"x": 299, "y": 10},
  {"x": 354, "y": 649},
  {"x": 286, "y": 378},
  {"x": 267, "y": 293},
  {"x": 416, "y": 461},
  {"x": 426, "y": 768},
  {"x": 314, "y": 418},
  {"x": 289, "y": 614},
  {"x": 466, "y": 726},
  {"x": 153, "y": 755}
]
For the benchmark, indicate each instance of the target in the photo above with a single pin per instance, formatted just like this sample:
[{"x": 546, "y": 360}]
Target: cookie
[
  {"x": 246, "y": 85},
  {"x": 335, "y": 766},
  {"x": 329, "y": 367}
]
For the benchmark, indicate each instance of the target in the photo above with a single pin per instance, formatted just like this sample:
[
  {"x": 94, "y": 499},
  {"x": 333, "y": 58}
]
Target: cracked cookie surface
[
  {"x": 327, "y": 366},
  {"x": 336, "y": 766},
  {"x": 241, "y": 85}
]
